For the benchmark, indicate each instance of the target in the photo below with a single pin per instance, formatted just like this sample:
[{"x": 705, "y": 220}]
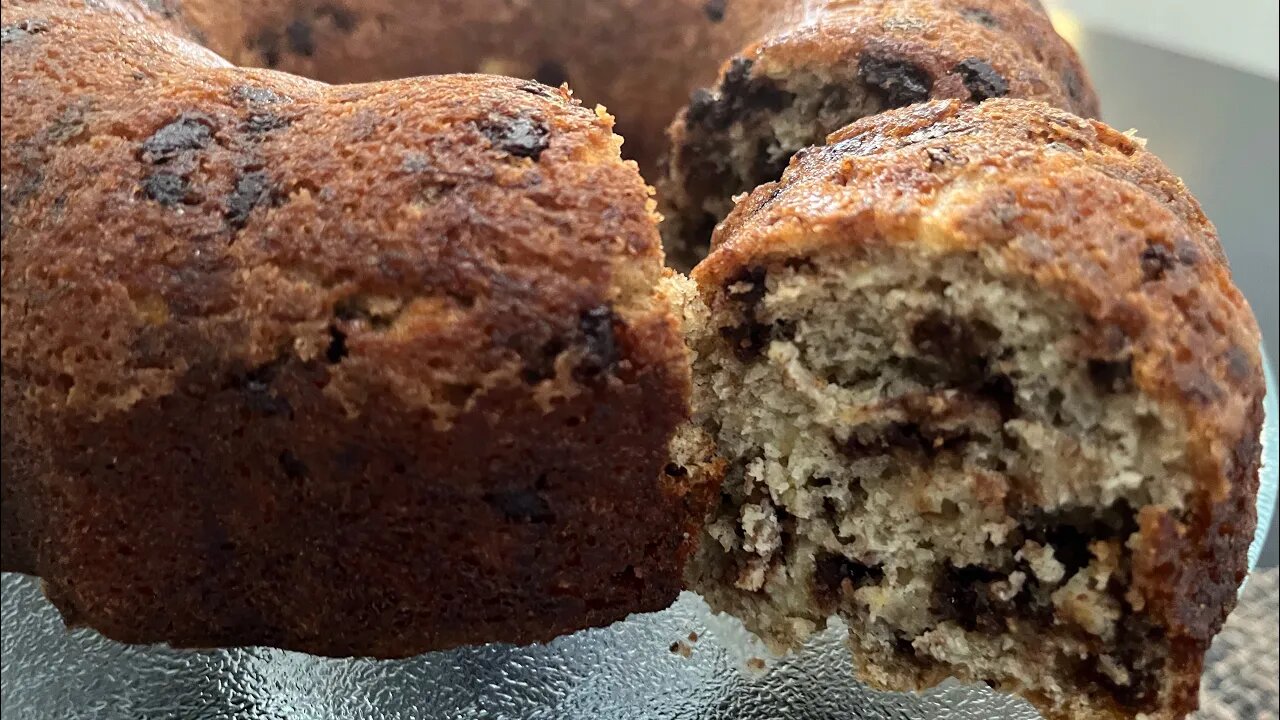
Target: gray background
[{"x": 1217, "y": 128}]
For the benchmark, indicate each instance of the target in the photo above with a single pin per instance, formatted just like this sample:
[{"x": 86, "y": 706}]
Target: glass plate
[{"x": 648, "y": 666}]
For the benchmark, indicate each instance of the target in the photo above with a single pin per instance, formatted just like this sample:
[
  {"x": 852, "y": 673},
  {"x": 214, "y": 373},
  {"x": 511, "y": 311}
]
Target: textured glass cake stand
[{"x": 648, "y": 666}]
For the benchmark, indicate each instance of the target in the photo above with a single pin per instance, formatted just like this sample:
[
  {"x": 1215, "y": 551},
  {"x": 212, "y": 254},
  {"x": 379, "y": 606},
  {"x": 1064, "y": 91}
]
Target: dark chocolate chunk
[
  {"x": 250, "y": 191},
  {"x": 676, "y": 471},
  {"x": 1136, "y": 648},
  {"x": 299, "y": 33},
  {"x": 534, "y": 88},
  {"x": 190, "y": 131},
  {"x": 1072, "y": 82},
  {"x": 70, "y": 123},
  {"x": 908, "y": 438},
  {"x": 768, "y": 162},
  {"x": 1069, "y": 531},
  {"x": 980, "y": 16},
  {"x": 981, "y": 79},
  {"x": 518, "y": 136},
  {"x": 261, "y": 123},
  {"x": 521, "y": 505},
  {"x": 599, "y": 346},
  {"x": 738, "y": 95},
  {"x": 17, "y": 31},
  {"x": 902, "y": 82},
  {"x": 337, "y": 349},
  {"x": 702, "y": 107},
  {"x": 166, "y": 188},
  {"x": 747, "y": 92},
  {"x": 267, "y": 44},
  {"x": 940, "y": 158},
  {"x": 715, "y": 10},
  {"x": 293, "y": 468},
  {"x": 1000, "y": 391},
  {"x": 964, "y": 595},
  {"x": 1111, "y": 376},
  {"x": 257, "y": 95},
  {"x": 960, "y": 346},
  {"x": 551, "y": 74},
  {"x": 342, "y": 18},
  {"x": 1239, "y": 364},
  {"x": 831, "y": 571},
  {"x": 750, "y": 337},
  {"x": 1157, "y": 259}
]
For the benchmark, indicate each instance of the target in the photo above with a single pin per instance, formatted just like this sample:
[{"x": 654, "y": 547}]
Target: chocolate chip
[
  {"x": 342, "y": 18},
  {"x": 1069, "y": 531},
  {"x": 337, "y": 349},
  {"x": 519, "y": 136},
  {"x": 188, "y": 132},
  {"x": 1156, "y": 260},
  {"x": 166, "y": 188},
  {"x": 600, "y": 350},
  {"x": 521, "y": 505},
  {"x": 830, "y": 571},
  {"x": 960, "y": 346},
  {"x": 981, "y": 79},
  {"x": 534, "y": 88},
  {"x": 293, "y": 468},
  {"x": 715, "y": 10},
  {"x": 903, "y": 438},
  {"x": 261, "y": 399},
  {"x": 964, "y": 595},
  {"x": 1000, "y": 391},
  {"x": 18, "y": 31},
  {"x": 738, "y": 95},
  {"x": 750, "y": 337},
  {"x": 267, "y": 44},
  {"x": 676, "y": 471},
  {"x": 551, "y": 74},
  {"x": 1186, "y": 251},
  {"x": 1072, "y": 82},
  {"x": 1239, "y": 364},
  {"x": 980, "y": 16},
  {"x": 747, "y": 92},
  {"x": 940, "y": 158},
  {"x": 1111, "y": 376},
  {"x": 299, "y": 33},
  {"x": 251, "y": 189},
  {"x": 257, "y": 95},
  {"x": 702, "y": 108},
  {"x": 70, "y": 123},
  {"x": 902, "y": 82},
  {"x": 264, "y": 122}
]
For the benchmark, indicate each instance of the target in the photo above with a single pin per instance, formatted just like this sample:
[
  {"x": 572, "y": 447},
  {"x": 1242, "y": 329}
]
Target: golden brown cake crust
[
  {"x": 873, "y": 56},
  {"x": 371, "y": 369},
  {"x": 1086, "y": 212}
]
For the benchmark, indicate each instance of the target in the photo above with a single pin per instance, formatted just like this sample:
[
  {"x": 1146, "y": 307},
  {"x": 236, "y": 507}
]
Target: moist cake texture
[{"x": 980, "y": 384}]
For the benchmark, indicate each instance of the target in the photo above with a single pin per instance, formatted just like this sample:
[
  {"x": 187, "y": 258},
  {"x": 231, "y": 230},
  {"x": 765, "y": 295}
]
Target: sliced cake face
[{"x": 981, "y": 386}]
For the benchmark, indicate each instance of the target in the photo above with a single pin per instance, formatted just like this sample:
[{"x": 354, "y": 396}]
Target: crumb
[
  {"x": 693, "y": 637},
  {"x": 756, "y": 664},
  {"x": 680, "y": 648}
]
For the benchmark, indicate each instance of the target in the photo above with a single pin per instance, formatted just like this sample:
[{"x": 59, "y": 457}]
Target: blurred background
[{"x": 1198, "y": 80}]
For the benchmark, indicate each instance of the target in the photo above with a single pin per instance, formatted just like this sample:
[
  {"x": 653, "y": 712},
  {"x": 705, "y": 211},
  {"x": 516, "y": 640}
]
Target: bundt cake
[
  {"x": 371, "y": 369},
  {"x": 384, "y": 368},
  {"x": 981, "y": 385},
  {"x": 761, "y": 78}
]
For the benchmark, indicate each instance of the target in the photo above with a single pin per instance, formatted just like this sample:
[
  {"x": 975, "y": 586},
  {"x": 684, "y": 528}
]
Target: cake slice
[{"x": 981, "y": 385}]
